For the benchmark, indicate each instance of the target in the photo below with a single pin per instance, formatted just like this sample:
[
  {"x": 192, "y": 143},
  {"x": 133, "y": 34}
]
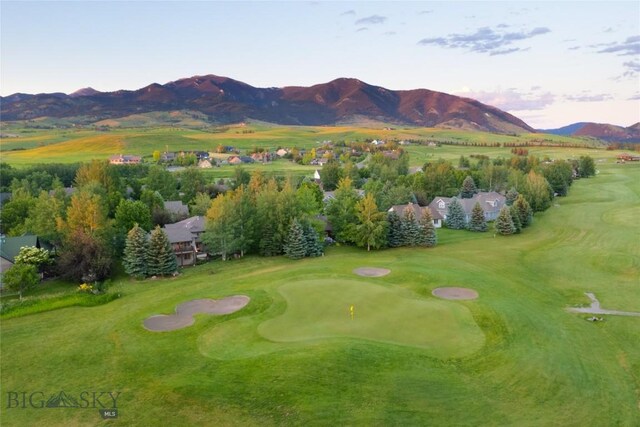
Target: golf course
[{"x": 318, "y": 344}]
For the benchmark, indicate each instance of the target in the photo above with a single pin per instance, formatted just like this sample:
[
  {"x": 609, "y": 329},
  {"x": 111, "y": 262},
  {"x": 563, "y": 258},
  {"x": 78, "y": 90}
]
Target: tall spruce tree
[
  {"x": 394, "y": 235},
  {"x": 504, "y": 223},
  {"x": 313, "y": 244},
  {"x": 160, "y": 259},
  {"x": 511, "y": 196},
  {"x": 134, "y": 258},
  {"x": 410, "y": 228},
  {"x": 513, "y": 211},
  {"x": 477, "y": 222},
  {"x": 455, "y": 215},
  {"x": 296, "y": 244},
  {"x": 429, "y": 237},
  {"x": 468, "y": 188},
  {"x": 525, "y": 213}
]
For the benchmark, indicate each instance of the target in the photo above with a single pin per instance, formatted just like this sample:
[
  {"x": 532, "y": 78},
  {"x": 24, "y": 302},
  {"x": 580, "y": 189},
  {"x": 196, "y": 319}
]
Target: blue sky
[{"x": 549, "y": 63}]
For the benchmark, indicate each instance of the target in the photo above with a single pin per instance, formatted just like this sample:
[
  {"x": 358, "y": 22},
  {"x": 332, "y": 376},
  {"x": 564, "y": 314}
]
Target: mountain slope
[
  {"x": 226, "y": 100},
  {"x": 606, "y": 132}
]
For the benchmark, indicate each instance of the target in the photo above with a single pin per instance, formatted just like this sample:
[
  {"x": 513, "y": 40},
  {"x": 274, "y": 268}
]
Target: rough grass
[{"x": 539, "y": 365}]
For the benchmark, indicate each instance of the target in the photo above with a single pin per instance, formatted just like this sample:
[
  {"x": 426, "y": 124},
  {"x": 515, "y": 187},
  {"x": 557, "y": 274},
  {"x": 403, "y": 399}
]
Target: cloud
[
  {"x": 348, "y": 12},
  {"x": 425, "y": 12},
  {"x": 585, "y": 97},
  {"x": 608, "y": 30},
  {"x": 631, "y": 46},
  {"x": 503, "y": 26},
  {"x": 574, "y": 48},
  {"x": 373, "y": 19},
  {"x": 633, "y": 66},
  {"x": 536, "y": 87},
  {"x": 359, "y": 30},
  {"x": 485, "y": 40},
  {"x": 390, "y": 33},
  {"x": 635, "y": 97},
  {"x": 511, "y": 99}
]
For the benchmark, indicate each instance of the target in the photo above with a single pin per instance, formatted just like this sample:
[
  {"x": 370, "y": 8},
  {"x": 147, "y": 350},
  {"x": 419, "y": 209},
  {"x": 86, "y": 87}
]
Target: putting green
[{"x": 320, "y": 309}]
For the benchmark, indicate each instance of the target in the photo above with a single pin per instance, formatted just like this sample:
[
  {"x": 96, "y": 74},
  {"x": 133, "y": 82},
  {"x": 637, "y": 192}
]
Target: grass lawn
[{"x": 292, "y": 356}]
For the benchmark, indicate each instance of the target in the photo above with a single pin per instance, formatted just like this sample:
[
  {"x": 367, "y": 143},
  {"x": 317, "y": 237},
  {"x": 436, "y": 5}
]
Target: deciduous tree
[
  {"x": 20, "y": 278},
  {"x": 370, "y": 228}
]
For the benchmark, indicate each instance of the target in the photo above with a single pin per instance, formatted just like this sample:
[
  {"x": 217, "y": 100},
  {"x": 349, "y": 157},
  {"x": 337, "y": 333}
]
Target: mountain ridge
[
  {"x": 603, "y": 131},
  {"x": 225, "y": 100}
]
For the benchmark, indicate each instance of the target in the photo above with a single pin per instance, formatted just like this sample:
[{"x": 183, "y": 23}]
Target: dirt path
[
  {"x": 186, "y": 310},
  {"x": 595, "y": 308}
]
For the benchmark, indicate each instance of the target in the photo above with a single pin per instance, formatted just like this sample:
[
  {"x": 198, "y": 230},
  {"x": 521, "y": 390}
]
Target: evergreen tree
[
  {"x": 525, "y": 213},
  {"x": 313, "y": 244},
  {"x": 511, "y": 196},
  {"x": 296, "y": 244},
  {"x": 468, "y": 188},
  {"x": 394, "y": 235},
  {"x": 455, "y": 215},
  {"x": 160, "y": 258},
  {"x": 513, "y": 211},
  {"x": 134, "y": 258},
  {"x": 268, "y": 245},
  {"x": 428, "y": 237},
  {"x": 477, "y": 222},
  {"x": 410, "y": 229},
  {"x": 504, "y": 223}
]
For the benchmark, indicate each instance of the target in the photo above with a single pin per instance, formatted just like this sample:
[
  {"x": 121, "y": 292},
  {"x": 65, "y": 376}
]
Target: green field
[{"x": 293, "y": 356}]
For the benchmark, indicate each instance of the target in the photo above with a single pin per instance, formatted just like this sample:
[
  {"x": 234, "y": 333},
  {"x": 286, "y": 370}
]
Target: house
[
  {"x": 176, "y": 209},
  {"x": 491, "y": 203},
  {"x": 418, "y": 212},
  {"x": 195, "y": 226},
  {"x": 261, "y": 157},
  {"x": 236, "y": 160},
  {"x": 282, "y": 152},
  {"x": 204, "y": 164},
  {"x": 124, "y": 160},
  {"x": 10, "y": 247},
  {"x": 626, "y": 157},
  {"x": 377, "y": 142},
  {"x": 168, "y": 156}
]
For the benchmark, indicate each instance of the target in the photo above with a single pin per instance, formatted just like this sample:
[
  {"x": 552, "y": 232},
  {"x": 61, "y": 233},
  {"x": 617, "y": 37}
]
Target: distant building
[
  {"x": 121, "y": 159},
  {"x": 204, "y": 164}
]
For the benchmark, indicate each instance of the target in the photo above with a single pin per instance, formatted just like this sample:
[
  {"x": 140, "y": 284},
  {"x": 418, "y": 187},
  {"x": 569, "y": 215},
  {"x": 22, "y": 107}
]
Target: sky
[{"x": 550, "y": 63}]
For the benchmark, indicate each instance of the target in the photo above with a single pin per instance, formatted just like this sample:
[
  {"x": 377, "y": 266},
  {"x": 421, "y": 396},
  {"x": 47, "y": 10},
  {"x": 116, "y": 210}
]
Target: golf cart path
[{"x": 595, "y": 308}]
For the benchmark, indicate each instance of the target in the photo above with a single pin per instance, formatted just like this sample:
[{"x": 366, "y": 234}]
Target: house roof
[
  {"x": 10, "y": 246},
  {"x": 178, "y": 234},
  {"x": 490, "y": 201},
  {"x": 417, "y": 211},
  {"x": 195, "y": 224}
]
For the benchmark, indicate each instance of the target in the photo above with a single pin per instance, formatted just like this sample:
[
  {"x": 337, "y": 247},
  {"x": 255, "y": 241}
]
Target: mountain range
[
  {"x": 225, "y": 100},
  {"x": 603, "y": 131},
  {"x": 340, "y": 101}
]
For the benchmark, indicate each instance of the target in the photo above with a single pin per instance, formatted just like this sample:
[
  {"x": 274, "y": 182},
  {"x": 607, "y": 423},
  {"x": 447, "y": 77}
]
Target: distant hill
[
  {"x": 224, "y": 100},
  {"x": 601, "y": 131}
]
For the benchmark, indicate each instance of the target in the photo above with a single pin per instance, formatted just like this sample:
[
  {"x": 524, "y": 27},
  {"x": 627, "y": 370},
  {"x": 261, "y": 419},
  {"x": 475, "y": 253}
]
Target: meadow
[
  {"x": 31, "y": 146},
  {"x": 293, "y": 356}
]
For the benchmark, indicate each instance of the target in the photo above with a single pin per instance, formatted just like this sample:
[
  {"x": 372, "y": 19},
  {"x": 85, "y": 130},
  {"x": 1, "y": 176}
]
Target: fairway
[
  {"x": 293, "y": 356},
  {"x": 320, "y": 309}
]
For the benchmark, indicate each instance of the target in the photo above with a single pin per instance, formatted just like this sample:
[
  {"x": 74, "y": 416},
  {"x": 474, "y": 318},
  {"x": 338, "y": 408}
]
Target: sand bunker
[
  {"x": 185, "y": 311},
  {"x": 455, "y": 293},
  {"x": 371, "y": 271}
]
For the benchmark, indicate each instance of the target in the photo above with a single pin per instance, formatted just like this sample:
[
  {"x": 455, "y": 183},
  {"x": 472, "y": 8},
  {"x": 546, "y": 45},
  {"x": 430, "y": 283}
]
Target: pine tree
[
  {"x": 313, "y": 247},
  {"x": 394, "y": 235},
  {"x": 511, "y": 196},
  {"x": 295, "y": 246},
  {"x": 410, "y": 228},
  {"x": 429, "y": 237},
  {"x": 455, "y": 215},
  {"x": 525, "y": 213},
  {"x": 468, "y": 188},
  {"x": 513, "y": 211},
  {"x": 504, "y": 223},
  {"x": 135, "y": 253},
  {"x": 477, "y": 222},
  {"x": 160, "y": 259},
  {"x": 268, "y": 245}
]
